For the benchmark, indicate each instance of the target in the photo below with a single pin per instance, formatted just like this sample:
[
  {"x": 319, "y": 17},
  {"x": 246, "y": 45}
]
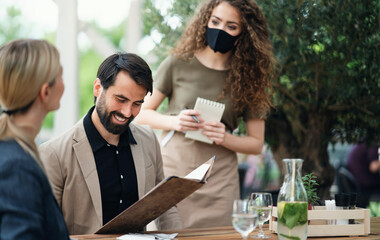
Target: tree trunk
[{"x": 287, "y": 142}]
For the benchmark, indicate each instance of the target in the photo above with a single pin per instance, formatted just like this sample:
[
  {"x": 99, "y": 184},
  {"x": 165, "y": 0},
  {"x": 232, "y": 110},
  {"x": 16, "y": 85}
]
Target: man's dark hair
[{"x": 131, "y": 63}]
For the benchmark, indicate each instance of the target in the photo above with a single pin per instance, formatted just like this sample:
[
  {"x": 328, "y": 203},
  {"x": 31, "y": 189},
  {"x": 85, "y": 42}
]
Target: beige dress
[{"x": 182, "y": 82}]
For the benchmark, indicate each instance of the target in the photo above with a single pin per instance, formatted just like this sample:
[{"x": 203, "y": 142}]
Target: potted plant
[{"x": 310, "y": 185}]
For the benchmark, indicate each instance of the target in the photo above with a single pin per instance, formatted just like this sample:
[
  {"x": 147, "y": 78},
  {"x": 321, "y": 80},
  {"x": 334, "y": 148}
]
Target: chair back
[{"x": 347, "y": 183}]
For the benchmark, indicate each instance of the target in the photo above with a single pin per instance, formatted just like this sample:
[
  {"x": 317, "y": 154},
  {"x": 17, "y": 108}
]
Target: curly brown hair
[{"x": 252, "y": 62}]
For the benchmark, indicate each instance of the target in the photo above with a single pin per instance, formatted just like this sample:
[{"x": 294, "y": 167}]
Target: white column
[
  {"x": 134, "y": 26},
  {"x": 66, "y": 116}
]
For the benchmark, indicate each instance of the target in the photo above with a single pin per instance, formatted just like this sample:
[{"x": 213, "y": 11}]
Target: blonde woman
[
  {"x": 31, "y": 85},
  {"x": 224, "y": 55}
]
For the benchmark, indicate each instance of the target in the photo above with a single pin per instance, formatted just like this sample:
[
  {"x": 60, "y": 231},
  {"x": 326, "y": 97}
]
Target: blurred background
[{"x": 326, "y": 89}]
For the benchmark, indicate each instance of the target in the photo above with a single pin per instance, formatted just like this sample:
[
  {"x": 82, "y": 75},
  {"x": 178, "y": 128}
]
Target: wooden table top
[{"x": 229, "y": 233}]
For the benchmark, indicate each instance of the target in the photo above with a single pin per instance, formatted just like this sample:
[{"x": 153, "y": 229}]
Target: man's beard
[{"x": 105, "y": 118}]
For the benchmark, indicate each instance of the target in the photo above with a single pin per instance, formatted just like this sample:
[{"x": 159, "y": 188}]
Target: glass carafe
[{"x": 292, "y": 203}]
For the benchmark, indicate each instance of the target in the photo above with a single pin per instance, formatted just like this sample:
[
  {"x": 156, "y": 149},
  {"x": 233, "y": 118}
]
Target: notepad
[{"x": 210, "y": 111}]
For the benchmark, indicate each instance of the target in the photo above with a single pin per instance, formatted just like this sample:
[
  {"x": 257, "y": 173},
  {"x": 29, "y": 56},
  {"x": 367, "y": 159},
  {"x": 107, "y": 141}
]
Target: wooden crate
[{"x": 319, "y": 216}]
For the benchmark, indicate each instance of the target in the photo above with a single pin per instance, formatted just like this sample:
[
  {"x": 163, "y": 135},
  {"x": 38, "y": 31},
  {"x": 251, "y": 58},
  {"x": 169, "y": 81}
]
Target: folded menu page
[{"x": 161, "y": 198}]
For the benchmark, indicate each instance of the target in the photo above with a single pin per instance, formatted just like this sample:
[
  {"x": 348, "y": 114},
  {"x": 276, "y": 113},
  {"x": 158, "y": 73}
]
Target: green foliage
[
  {"x": 328, "y": 55},
  {"x": 89, "y": 64},
  {"x": 374, "y": 208},
  {"x": 114, "y": 34},
  {"x": 12, "y": 26},
  {"x": 290, "y": 237},
  {"x": 48, "y": 121},
  {"x": 167, "y": 23},
  {"x": 310, "y": 185}
]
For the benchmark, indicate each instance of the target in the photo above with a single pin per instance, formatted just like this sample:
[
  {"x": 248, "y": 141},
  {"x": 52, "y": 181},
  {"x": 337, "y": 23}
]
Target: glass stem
[{"x": 261, "y": 232}]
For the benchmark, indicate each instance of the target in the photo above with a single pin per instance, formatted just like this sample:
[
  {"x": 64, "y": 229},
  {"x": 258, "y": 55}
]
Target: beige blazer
[{"x": 71, "y": 169}]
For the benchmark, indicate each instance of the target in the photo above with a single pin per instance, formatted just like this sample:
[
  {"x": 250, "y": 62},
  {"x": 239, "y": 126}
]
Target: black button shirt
[{"x": 116, "y": 170}]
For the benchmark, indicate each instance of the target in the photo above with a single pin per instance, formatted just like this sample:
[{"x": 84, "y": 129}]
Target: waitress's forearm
[
  {"x": 243, "y": 144},
  {"x": 155, "y": 120}
]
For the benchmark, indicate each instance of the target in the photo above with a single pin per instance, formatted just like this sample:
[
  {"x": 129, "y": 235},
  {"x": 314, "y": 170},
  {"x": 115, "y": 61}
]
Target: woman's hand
[
  {"x": 185, "y": 121},
  {"x": 216, "y": 131},
  {"x": 252, "y": 143}
]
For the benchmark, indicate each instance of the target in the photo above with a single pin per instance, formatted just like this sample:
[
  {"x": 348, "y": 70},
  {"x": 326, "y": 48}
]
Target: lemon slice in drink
[{"x": 280, "y": 208}]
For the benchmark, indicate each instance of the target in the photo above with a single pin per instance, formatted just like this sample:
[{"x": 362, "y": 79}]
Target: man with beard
[{"x": 105, "y": 163}]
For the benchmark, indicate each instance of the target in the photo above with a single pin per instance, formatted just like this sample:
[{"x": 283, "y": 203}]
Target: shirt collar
[{"x": 97, "y": 141}]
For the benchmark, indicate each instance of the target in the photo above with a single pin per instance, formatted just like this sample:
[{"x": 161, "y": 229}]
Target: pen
[{"x": 194, "y": 117}]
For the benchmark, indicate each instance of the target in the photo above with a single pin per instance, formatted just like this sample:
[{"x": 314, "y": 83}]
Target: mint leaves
[
  {"x": 294, "y": 213},
  {"x": 290, "y": 237}
]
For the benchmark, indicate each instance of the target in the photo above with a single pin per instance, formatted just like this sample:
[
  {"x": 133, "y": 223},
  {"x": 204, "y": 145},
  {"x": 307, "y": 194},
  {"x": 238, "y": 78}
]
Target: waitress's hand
[
  {"x": 185, "y": 122},
  {"x": 215, "y": 131}
]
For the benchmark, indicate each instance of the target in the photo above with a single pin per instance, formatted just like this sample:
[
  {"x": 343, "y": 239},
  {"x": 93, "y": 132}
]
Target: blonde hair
[
  {"x": 252, "y": 62},
  {"x": 25, "y": 65}
]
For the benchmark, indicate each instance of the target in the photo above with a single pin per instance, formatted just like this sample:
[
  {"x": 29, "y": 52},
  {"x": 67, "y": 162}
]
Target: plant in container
[{"x": 310, "y": 185}]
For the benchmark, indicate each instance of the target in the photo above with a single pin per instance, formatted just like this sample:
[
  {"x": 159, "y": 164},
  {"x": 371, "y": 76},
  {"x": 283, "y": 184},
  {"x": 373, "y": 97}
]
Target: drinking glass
[
  {"x": 244, "y": 217},
  {"x": 263, "y": 204}
]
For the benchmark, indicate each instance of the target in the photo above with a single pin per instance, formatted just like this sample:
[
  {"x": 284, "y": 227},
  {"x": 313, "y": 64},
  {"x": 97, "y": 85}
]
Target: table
[{"x": 228, "y": 233}]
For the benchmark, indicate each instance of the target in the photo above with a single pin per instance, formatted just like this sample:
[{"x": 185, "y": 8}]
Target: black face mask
[{"x": 219, "y": 40}]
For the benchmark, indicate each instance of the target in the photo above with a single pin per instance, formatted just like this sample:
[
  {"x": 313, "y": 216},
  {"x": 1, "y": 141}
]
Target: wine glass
[
  {"x": 244, "y": 217},
  {"x": 263, "y": 204}
]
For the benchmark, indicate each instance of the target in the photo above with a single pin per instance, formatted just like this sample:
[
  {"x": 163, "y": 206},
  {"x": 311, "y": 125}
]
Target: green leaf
[{"x": 290, "y": 237}]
